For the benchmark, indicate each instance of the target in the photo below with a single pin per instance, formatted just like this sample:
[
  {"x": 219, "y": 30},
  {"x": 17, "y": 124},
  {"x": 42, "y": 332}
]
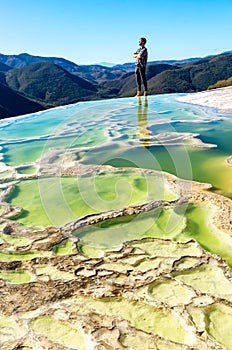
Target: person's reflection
[{"x": 143, "y": 132}]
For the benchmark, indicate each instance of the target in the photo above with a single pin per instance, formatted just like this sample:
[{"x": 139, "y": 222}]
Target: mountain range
[{"x": 31, "y": 83}]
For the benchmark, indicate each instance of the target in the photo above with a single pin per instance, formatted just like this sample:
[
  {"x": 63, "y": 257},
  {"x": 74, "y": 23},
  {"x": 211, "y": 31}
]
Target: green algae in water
[
  {"x": 92, "y": 252},
  {"x": 201, "y": 228},
  {"x": 141, "y": 264},
  {"x": 59, "y": 331},
  {"x": 17, "y": 276},
  {"x": 26, "y": 170},
  {"x": 206, "y": 165},
  {"x": 145, "y": 341},
  {"x": 147, "y": 264},
  {"x": 56, "y": 201},
  {"x": 5, "y": 174},
  {"x": 63, "y": 248},
  {"x": 15, "y": 240},
  {"x": 110, "y": 234},
  {"x": 218, "y": 321},
  {"x": 106, "y": 238},
  {"x": 26, "y": 195},
  {"x": 186, "y": 263},
  {"x": 208, "y": 279},
  {"x": 210, "y": 166},
  {"x": 174, "y": 224},
  {"x": 170, "y": 292},
  {"x": 12, "y": 256},
  {"x": 142, "y": 316},
  {"x": 167, "y": 248}
]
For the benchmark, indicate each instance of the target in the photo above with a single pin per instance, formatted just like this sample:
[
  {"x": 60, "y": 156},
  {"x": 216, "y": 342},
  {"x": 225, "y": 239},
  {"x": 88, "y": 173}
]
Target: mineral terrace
[{"x": 152, "y": 293}]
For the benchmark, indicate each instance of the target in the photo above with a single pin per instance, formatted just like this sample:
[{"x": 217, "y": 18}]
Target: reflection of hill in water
[{"x": 135, "y": 249}]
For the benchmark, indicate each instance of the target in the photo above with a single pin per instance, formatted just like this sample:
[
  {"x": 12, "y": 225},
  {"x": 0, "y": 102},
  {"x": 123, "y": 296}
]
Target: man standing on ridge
[{"x": 141, "y": 63}]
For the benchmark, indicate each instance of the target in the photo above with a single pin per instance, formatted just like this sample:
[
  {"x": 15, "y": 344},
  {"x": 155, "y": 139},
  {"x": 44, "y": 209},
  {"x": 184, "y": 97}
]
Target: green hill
[
  {"x": 90, "y": 72},
  {"x": 196, "y": 76},
  {"x": 12, "y": 103},
  {"x": 24, "y": 59},
  {"x": 50, "y": 84},
  {"x": 163, "y": 78},
  {"x": 126, "y": 84}
]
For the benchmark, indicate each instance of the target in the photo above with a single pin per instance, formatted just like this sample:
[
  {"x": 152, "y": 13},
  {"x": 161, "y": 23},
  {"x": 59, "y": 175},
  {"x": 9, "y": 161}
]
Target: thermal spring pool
[
  {"x": 189, "y": 141},
  {"x": 115, "y": 227},
  {"x": 56, "y": 201}
]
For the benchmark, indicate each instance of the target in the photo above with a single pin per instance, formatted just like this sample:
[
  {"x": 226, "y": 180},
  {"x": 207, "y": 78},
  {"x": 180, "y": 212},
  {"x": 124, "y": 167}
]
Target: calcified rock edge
[
  {"x": 218, "y": 98},
  {"x": 53, "y": 297}
]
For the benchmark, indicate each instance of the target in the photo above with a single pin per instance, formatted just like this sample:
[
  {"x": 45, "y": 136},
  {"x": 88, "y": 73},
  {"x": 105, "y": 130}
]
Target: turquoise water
[
  {"x": 157, "y": 135},
  {"x": 175, "y": 224},
  {"x": 164, "y": 135}
]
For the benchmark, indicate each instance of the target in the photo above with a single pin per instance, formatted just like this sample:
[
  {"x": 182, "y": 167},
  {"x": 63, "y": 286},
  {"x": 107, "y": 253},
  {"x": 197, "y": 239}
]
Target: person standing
[{"x": 141, "y": 56}]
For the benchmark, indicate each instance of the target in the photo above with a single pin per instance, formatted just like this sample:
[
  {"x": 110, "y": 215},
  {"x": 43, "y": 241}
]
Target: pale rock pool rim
[{"x": 117, "y": 296}]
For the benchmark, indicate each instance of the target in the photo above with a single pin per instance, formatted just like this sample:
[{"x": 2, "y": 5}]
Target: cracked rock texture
[{"x": 152, "y": 293}]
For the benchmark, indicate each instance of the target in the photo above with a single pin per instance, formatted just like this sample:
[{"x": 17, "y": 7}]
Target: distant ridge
[
  {"x": 36, "y": 82},
  {"x": 25, "y": 59},
  {"x": 90, "y": 72},
  {"x": 192, "y": 76},
  {"x": 49, "y": 84},
  {"x": 130, "y": 66}
]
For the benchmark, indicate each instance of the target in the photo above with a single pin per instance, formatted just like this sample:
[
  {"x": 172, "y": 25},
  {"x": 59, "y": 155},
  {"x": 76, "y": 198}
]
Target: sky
[{"x": 88, "y": 32}]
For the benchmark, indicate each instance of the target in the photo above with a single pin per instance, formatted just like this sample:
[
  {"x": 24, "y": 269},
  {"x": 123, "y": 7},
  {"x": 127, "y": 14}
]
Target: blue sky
[{"x": 86, "y": 32}]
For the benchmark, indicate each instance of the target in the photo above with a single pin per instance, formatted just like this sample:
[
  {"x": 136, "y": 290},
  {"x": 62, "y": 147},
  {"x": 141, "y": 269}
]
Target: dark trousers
[{"x": 141, "y": 75}]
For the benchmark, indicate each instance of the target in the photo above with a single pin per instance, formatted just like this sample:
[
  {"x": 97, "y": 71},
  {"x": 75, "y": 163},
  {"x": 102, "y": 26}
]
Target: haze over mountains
[{"x": 32, "y": 83}]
